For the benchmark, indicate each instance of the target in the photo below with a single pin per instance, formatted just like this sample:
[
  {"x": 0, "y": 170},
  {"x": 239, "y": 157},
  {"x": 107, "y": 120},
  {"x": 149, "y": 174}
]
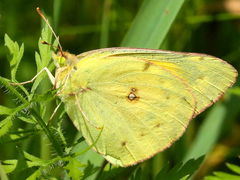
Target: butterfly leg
[
  {"x": 55, "y": 111},
  {"x": 51, "y": 77}
]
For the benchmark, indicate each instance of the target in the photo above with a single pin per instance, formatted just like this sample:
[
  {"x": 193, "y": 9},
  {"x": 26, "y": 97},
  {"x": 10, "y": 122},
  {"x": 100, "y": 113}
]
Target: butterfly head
[{"x": 63, "y": 59}]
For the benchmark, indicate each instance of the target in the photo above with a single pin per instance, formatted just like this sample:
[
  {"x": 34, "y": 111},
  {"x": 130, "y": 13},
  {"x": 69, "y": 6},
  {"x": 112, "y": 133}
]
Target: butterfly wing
[
  {"x": 134, "y": 103},
  {"x": 207, "y": 76}
]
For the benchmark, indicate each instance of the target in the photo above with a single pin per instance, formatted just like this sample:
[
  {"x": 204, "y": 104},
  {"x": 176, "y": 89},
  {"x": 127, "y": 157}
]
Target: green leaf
[
  {"x": 180, "y": 171},
  {"x": 3, "y": 175},
  {"x": 226, "y": 176},
  {"x": 6, "y": 83},
  {"x": 185, "y": 177},
  {"x": 152, "y": 23},
  {"x": 222, "y": 176},
  {"x": 9, "y": 165},
  {"x": 43, "y": 58},
  {"x": 208, "y": 133},
  {"x": 35, "y": 161},
  {"x": 28, "y": 120},
  {"x": 16, "y": 55},
  {"x": 5, "y": 125},
  {"x": 75, "y": 168},
  {"x": 90, "y": 170},
  {"x": 45, "y": 97},
  {"x": 234, "y": 168},
  {"x": 5, "y": 110},
  {"x": 35, "y": 175}
]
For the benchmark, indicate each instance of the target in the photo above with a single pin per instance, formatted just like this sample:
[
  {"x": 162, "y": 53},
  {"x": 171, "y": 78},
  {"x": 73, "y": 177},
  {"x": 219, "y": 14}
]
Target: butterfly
[{"x": 130, "y": 103}]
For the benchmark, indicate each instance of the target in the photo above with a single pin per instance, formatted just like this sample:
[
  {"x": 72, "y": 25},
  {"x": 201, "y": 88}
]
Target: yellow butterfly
[{"x": 133, "y": 103}]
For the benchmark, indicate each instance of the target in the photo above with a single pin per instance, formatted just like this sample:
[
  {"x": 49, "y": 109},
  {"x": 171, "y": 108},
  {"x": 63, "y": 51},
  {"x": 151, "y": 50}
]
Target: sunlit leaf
[{"x": 16, "y": 55}]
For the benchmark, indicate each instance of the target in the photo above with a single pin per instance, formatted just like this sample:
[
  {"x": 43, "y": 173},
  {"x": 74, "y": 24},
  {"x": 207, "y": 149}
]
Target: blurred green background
[{"x": 203, "y": 26}]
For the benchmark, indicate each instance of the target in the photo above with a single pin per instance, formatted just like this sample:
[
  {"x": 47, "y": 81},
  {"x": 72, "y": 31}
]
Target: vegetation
[{"x": 35, "y": 145}]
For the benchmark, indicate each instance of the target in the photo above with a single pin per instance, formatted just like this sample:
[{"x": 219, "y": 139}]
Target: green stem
[
  {"x": 50, "y": 136},
  {"x": 6, "y": 83}
]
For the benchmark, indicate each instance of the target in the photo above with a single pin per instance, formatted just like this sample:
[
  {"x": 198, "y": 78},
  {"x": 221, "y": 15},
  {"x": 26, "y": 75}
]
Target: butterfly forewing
[{"x": 139, "y": 111}]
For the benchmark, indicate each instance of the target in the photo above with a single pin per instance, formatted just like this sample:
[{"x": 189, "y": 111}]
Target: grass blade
[{"x": 152, "y": 23}]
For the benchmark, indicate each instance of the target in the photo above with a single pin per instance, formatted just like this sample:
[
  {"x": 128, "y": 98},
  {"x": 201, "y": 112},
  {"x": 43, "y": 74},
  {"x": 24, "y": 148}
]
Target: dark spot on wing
[
  {"x": 133, "y": 89},
  {"x": 201, "y": 77},
  {"x": 157, "y": 125},
  {"x": 146, "y": 66},
  {"x": 124, "y": 143},
  {"x": 75, "y": 68},
  {"x": 133, "y": 95}
]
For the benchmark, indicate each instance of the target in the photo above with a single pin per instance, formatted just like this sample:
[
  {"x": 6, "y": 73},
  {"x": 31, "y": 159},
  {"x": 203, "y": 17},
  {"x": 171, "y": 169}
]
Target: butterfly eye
[{"x": 61, "y": 61}]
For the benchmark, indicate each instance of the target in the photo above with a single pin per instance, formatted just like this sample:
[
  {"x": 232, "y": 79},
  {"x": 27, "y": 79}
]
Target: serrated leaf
[
  {"x": 5, "y": 125},
  {"x": 90, "y": 170},
  {"x": 43, "y": 58},
  {"x": 180, "y": 170},
  {"x": 75, "y": 168},
  {"x": 5, "y": 110},
  {"x": 45, "y": 50},
  {"x": 35, "y": 161},
  {"x": 16, "y": 55},
  {"x": 38, "y": 59},
  {"x": 6, "y": 83},
  {"x": 28, "y": 120},
  {"x": 9, "y": 165}
]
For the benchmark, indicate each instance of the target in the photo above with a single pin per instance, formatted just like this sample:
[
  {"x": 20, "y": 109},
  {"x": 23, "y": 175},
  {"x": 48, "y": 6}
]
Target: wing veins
[
  {"x": 121, "y": 115},
  {"x": 138, "y": 84},
  {"x": 144, "y": 110}
]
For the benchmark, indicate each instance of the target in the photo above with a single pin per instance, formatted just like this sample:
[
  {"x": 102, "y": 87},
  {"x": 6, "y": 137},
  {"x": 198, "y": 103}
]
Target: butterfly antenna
[
  {"x": 51, "y": 45},
  {"x": 45, "y": 19}
]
